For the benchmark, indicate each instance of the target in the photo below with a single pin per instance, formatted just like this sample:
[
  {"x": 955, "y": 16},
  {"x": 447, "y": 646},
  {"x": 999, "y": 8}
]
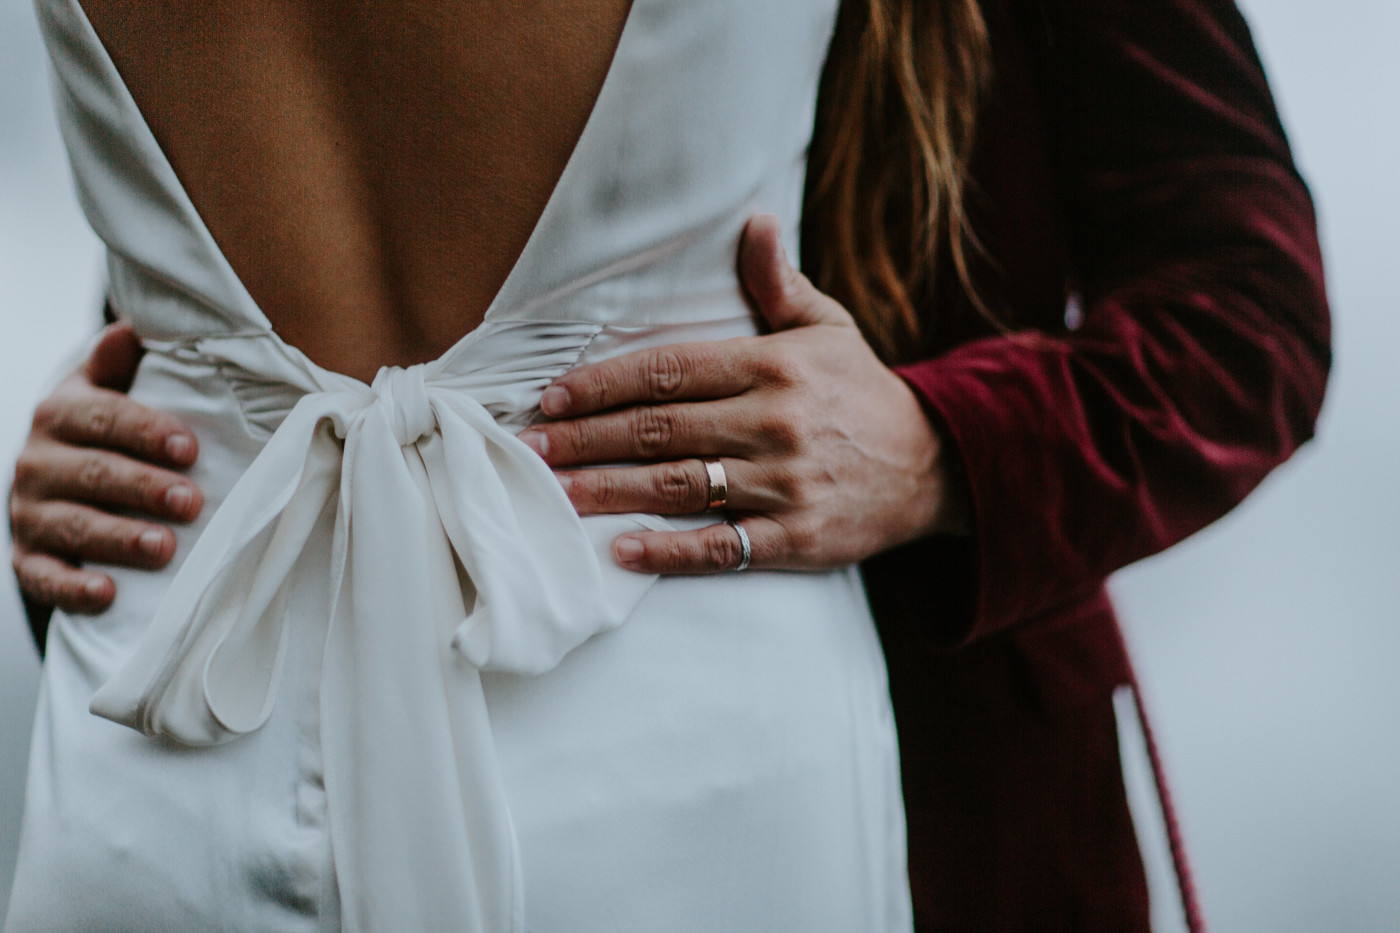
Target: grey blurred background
[{"x": 1267, "y": 645}]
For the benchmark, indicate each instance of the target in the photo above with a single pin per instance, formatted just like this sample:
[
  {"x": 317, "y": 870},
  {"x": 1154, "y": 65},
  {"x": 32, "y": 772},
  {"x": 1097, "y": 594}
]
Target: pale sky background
[{"x": 1267, "y": 645}]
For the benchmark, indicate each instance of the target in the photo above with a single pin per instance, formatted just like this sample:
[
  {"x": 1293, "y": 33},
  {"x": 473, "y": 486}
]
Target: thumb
[
  {"x": 113, "y": 360},
  {"x": 785, "y": 297}
]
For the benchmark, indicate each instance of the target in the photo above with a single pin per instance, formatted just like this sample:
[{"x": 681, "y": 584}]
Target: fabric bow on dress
[{"x": 454, "y": 551}]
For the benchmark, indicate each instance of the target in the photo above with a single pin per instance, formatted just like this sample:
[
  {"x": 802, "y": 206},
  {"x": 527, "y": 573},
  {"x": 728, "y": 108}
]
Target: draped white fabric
[{"x": 455, "y": 550}]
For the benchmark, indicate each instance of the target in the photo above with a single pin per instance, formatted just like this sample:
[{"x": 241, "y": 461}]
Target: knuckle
[
  {"x": 655, "y": 431},
  {"x": 607, "y": 491},
  {"x": 591, "y": 387},
  {"x": 680, "y": 489},
  {"x": 784, "y": 430},
  {"x": 100, "y": 423},
  {"x": 671, "y": 552},
  {"x": 779, "y": 366},
  {"x": 93, "y": 476},
  {"x": 666, "y": 373},
  {"x": 722, "y": 549},
  {"x": 789, "y": 487},
  {"x": 568, "y": 440},
  {"x": 800, "y": 497},
  {"x": 69, "y": 532}
]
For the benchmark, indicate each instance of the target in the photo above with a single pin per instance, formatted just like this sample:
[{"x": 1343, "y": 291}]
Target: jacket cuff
[{"x": 984, "y": 409}]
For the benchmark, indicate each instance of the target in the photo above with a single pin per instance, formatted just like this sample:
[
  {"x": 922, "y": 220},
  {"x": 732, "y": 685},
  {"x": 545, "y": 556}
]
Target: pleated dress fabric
[{"x": 392, "y": 681}]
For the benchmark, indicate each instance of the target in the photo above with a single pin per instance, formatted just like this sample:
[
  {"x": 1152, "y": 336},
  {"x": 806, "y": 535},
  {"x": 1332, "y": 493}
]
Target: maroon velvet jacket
[{"x": 1131, "y": 165}]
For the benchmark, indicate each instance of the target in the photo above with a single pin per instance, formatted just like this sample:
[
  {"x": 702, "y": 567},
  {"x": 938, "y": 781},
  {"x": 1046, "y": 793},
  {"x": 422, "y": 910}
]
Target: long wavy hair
[{"x": 895, "y": 127}]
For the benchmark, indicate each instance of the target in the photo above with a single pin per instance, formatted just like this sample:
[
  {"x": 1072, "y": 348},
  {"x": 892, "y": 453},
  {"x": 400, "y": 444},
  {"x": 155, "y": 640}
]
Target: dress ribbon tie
[{"x": 454, "y": 551}]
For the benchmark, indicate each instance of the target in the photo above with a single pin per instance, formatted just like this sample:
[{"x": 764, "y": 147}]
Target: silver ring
[
  {"x": 747, "y": 549},
  {"x": 718, "y": 484}
]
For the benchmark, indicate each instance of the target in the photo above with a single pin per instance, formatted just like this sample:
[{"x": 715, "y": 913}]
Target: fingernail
[
  {"x": 179, "y": 448},
  {"x": 536, "y": 441},
  {"x": 95, "y": 587},
  {"x": 566, "y": 481},
  {"x": 554, "y": 401},
  {"x": 178, "y": 499},
  {"x": 152, "y": 542},
  {"x": 628, "y": 550}
]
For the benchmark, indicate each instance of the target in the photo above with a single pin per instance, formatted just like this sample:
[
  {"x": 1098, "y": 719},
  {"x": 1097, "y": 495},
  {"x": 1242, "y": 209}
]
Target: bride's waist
[
  {"x": 232, "y": 394},
  {"x": 252, "y": 379}
]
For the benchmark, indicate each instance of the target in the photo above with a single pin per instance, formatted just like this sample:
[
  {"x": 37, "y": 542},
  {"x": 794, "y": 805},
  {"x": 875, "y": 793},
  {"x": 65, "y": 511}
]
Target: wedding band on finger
[
  {"x": 718, "y": 483},
  {"x": 746, "y": 549}
]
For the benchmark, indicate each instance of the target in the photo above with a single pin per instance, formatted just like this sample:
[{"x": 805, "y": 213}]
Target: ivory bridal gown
[{"x": 392, "y": 682}]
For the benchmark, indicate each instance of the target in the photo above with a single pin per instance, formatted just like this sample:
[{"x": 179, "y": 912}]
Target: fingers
[
  {"x": 784, "y": 296},
  {"x": 94, "y": 417},
  {"x": 680, "y": 487},
  {"x": 649, "y": 432},
  {"x": 112, "y": 363},
  {"x": 48, "y": 581},
  {"x": 699, "y": 371},
  {"x": 664, "y": 374},
  {"x": 47, "y": 470},
  {"x": 712, "y": 549},
  {"x": 77, "y": 462},
  {"x": 67, "y": 529}
]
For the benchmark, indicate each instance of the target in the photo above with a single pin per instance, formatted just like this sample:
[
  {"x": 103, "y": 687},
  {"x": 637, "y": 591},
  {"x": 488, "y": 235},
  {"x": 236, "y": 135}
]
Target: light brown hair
[{"x": 895, "y": 127}]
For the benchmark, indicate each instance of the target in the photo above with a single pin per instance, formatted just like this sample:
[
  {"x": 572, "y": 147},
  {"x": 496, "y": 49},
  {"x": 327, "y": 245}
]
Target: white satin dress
[{"x": 392, "y": 682}]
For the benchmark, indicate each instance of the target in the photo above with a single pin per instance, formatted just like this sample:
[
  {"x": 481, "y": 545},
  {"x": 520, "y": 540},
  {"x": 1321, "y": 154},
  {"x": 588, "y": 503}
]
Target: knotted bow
[{"x": 454, "y": 551}]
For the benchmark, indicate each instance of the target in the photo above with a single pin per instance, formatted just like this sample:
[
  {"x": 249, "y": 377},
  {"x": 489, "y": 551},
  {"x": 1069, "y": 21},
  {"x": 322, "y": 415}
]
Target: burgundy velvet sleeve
[{"x": 1202, "y": 354}]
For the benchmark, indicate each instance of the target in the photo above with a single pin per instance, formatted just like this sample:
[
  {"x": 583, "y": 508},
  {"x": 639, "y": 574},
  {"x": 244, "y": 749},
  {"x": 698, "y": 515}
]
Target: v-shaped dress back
[{"x": 392, "y": 681}]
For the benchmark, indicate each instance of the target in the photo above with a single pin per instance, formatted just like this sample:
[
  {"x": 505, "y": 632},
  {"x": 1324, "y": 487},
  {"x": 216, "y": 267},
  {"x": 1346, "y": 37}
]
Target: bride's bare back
[{"x": 371, "y": 170}]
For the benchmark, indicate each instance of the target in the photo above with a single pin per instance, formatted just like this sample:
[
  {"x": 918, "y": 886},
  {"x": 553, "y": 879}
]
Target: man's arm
[{"x": 1202, "y": 356}]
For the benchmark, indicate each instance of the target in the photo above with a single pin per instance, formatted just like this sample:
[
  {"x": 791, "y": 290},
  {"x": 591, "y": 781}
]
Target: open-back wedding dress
[{"x": 392, "y": 682}]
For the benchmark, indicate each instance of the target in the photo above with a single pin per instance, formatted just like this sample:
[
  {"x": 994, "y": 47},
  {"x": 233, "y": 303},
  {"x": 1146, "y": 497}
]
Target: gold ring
[{"x": 718, "y": 493}]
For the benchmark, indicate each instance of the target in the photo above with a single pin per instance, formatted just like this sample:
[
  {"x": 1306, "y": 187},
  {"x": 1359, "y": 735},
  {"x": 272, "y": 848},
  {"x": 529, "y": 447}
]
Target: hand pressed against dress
[
  {"x": 829, "y": 456},
  {"x": 828, "y": 453},
  {"x": 91, "y": 451}
]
